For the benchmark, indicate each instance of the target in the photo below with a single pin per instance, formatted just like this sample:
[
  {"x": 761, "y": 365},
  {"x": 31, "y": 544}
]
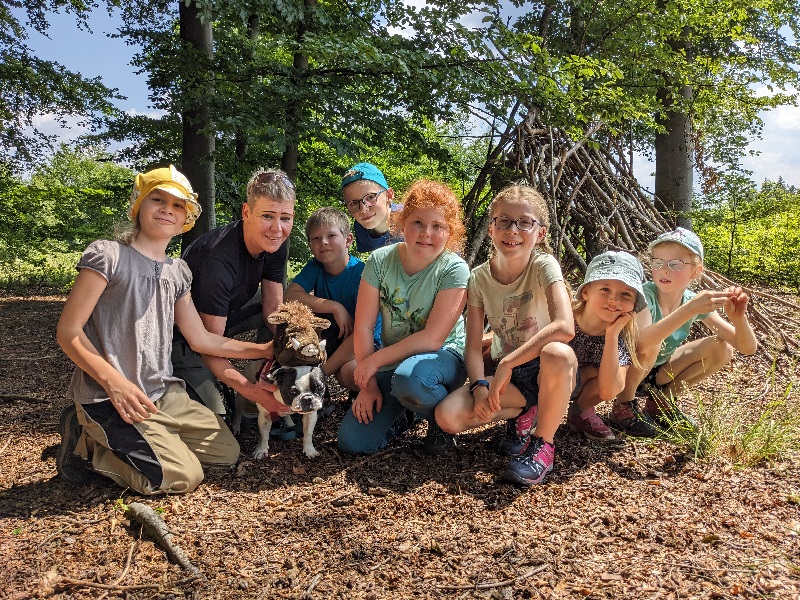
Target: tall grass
[{"x": 745, "y": 432}]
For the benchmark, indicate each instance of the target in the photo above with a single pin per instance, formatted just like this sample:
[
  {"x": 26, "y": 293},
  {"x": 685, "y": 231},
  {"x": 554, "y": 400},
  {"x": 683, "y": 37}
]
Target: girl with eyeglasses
[
  {"x": 670, "y": 365},
  {"x": 532, "y": 369},
  {"x": 370, "y": 201},
  {"x": 419, "y": 287}
]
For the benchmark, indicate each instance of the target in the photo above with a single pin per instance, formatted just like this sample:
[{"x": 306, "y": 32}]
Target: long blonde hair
[{"x": 630, "y": 333}]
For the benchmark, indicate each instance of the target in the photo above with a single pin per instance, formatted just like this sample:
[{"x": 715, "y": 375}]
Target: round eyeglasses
[
  {"x": 523, "y": 223},
  {"x": 368, "y": 200},
  {"x": 673, "y": 265}
]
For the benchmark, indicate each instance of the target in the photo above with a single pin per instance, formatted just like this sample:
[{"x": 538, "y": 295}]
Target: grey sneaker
[
  {"x": 436, "y": 441},
  {"x": 69, "y": 465}
]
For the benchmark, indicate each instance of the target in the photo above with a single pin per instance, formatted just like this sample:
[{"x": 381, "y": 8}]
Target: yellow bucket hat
[{"x": 171, "y": 181}]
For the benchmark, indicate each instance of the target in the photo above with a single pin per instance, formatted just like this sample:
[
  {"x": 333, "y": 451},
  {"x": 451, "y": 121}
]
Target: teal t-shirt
[
  {"x": 669, "y": 345},
  {"x": 406, "y": 301}
]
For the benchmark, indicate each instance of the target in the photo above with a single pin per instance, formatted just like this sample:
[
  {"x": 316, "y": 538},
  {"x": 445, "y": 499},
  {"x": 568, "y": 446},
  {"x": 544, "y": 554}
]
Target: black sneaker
[
  {"x": 436, "y": 441},
  {"x": 518, "y": 433},
  {"x": 533, "y": 465},
  {"x": 630, "y": 419},
  {"x": 69, "y": 465}
]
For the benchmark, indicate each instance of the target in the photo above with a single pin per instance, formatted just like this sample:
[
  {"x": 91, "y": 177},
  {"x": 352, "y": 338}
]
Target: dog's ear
[{"x": 281, "y": 374}]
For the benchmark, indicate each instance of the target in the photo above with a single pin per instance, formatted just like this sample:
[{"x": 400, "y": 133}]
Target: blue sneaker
[{"x": 533, "y": 464}]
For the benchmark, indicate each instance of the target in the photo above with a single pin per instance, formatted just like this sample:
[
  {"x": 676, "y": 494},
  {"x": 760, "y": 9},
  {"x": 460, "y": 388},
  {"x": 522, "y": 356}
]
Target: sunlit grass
[{"x": 747, "y": 433}]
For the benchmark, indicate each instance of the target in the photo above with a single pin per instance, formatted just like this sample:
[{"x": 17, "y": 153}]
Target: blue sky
[{"x": 97, "y": 55}]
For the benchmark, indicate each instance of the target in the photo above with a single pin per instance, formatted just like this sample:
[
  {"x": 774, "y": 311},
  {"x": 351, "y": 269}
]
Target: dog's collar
[{"x": 265, "y": 369}]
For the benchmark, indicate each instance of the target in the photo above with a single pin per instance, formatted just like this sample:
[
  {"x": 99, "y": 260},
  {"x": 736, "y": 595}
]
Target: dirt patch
[{"x": 623, "y": 520}]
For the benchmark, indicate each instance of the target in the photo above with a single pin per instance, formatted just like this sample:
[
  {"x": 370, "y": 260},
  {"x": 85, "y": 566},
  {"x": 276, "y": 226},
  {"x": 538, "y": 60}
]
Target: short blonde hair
[
  {"x": 424, "y": 194},
  {"x": 270, "y": 183},
  {"x": 328, "y": 216}
]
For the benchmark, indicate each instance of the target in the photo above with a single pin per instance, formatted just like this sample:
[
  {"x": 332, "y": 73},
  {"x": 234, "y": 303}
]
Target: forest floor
[{"x": 628, "y": 519}]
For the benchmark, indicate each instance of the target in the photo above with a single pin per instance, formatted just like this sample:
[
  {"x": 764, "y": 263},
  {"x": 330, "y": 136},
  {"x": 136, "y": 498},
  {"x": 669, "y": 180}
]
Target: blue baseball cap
[
  {"x": 684, "y": 237},
  {"x": 619, "y": 266},
  {"x": 366, "y": 171}
]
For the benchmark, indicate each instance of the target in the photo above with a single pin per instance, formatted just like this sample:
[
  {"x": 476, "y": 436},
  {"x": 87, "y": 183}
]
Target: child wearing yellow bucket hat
[{"x": 131, "y": 419}]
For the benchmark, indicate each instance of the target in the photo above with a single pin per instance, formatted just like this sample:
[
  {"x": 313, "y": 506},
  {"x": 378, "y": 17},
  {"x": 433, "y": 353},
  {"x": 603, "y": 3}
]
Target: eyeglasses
[
  {"x": 523, "y": 223},
  {"x": 673, "y": 265},
  {"x": 269, "y": 177},
  {"x": 368, "y": 200}
]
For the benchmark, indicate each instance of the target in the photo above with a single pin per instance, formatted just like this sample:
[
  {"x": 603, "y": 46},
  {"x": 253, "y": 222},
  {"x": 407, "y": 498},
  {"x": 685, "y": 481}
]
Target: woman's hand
[{"x": 368, "y": 398}]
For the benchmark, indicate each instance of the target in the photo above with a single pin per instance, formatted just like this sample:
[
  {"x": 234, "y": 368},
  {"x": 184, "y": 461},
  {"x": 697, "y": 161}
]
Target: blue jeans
[{"x": 418, "y": 384}]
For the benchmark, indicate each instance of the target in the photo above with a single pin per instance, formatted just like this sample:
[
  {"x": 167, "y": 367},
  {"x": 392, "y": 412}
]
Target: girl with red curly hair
[{"x": 419, "y": 287}]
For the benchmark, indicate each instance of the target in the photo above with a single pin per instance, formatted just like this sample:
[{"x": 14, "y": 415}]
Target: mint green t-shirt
[
  {"x": 669, "y": 345},
  {"x": 406, "y": 301}
]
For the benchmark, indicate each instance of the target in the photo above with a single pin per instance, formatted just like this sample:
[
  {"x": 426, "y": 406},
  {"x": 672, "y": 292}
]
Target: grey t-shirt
[{"x": 131, "y": 325}]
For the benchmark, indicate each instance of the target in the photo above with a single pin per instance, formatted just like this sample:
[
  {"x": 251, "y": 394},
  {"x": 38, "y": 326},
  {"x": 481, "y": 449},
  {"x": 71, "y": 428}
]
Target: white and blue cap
[
  {"x": 619, "y": 266},
  {"x": 686, "y": 238}
]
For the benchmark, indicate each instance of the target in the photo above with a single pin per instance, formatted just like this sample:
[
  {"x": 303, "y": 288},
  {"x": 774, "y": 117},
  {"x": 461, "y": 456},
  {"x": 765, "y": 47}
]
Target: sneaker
[
  {"x": 630, "y": 419},
  {"x": 518, "y": 433},
  {"x": 663, "y": 410},
  {"x": 69, "y": 465},
  {"x": 591, "y": 425},
  {"x": 533, "y": 464},
  {"x": 436, "y": 441}
]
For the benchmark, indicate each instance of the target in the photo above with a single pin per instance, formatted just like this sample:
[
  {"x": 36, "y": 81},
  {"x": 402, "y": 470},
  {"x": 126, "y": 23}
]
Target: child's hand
[
  {"x": 344, "y": 321},
  {"x": 614, "y": 329},
  {"x": 481, "y": 409},
  {"x": 500, "y": 381},
  {"x": 736, "y": 304},
  {"x": 365, "y": 371},
  {"x": 131, "y": 403},
  {"x": 709, "y": 300},
  {"x": 368, "y": 399},
  {"x": 269, "y": 350}
]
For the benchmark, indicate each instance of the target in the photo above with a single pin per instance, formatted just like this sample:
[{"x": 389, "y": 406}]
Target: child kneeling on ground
[{"x": 132, "y": 417}]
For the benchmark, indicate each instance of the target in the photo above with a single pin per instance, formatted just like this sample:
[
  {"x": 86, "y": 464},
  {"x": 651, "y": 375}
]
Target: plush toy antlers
[{"x": 296, "y": 340}]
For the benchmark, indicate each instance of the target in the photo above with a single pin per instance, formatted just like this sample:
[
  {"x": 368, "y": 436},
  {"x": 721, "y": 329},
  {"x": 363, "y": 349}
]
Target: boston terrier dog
[{"x": 302, "y": 390}]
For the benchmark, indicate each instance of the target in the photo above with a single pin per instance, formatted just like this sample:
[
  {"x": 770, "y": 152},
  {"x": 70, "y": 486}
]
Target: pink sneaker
[
  {"x": 518, "y": 432},
  {"x": 591, "y": 425}
]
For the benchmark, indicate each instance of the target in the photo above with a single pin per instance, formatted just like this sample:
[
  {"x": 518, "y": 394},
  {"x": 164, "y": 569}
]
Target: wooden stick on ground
[{"x": 154, "y": 525}]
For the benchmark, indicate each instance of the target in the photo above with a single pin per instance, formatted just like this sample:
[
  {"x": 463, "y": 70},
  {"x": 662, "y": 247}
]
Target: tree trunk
[
  {"x": 197, "y": 161},
  {"x": 675, "y": 160},
  {"x": 295, "y": 109}
]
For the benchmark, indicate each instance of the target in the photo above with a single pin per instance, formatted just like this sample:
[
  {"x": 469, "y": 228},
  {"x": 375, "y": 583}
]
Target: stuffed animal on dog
[
  {"x": 296, "y": 371},
  {"x": 296, "y": 341}
]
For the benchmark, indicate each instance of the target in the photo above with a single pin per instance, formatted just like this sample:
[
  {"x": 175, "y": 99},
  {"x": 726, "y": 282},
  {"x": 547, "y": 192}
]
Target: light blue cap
[
  {"x": 686, "y": 238},
  {"x": 619, "y": 266},
  {"x": 366, "y": 171}
]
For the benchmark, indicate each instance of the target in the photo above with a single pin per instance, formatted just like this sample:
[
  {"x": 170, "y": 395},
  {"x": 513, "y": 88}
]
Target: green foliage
[
  {"x": 32, "y": 86},
  {"x": 45, "y": 224},
  {"x": 752, "y": 235}
]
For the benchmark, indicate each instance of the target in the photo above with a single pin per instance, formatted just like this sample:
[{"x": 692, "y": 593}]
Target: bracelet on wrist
[{"x": 478, "y": 383}]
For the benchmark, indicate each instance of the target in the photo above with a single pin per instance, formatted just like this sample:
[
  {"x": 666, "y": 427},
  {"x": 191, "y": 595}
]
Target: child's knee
[
  {"x": 722, "y": 349},
  {"x": 556, "y": 355}
]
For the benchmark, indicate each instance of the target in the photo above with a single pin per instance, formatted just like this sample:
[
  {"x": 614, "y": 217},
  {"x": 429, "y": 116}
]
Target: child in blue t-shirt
[{"x": 333, "y": 277}]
